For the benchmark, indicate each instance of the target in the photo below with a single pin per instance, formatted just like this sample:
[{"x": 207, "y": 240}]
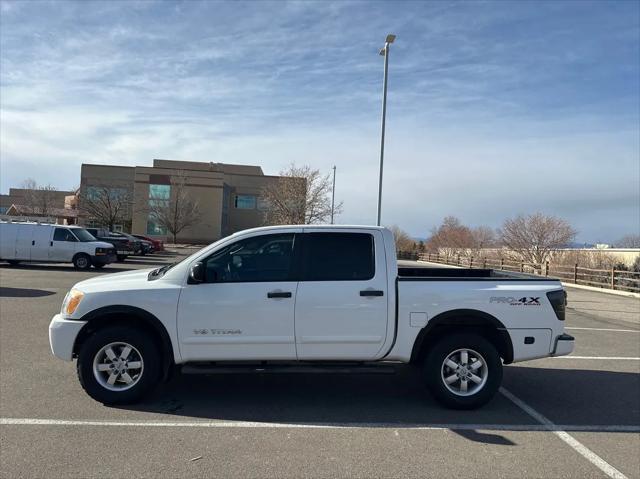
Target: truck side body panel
[{"x": 520, "y": 306}]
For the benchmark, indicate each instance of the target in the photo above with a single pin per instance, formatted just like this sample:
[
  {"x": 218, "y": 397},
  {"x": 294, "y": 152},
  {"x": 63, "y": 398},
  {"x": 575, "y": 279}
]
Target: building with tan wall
[{"x": 228, "y": 196}]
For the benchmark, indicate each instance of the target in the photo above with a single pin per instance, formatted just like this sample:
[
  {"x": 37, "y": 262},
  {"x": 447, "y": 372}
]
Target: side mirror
[{"x": 197, "y": 273}]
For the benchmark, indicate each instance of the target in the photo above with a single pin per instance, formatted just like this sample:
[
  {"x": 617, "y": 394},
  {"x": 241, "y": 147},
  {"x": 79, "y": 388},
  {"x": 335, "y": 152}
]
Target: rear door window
[{"x": 338, "y": 257}]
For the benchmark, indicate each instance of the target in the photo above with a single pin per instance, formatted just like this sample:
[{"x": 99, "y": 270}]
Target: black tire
[
  {"x": 121, "y": 257},
  {"x": 82, "y": 261},
  {"x": 13, "y": 262},
  {"x": 143, "y": 344},
  {"x": 434, "y": 371}
]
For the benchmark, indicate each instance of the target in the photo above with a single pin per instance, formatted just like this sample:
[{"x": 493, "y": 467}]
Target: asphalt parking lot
[{"x": 562, "y": 417}]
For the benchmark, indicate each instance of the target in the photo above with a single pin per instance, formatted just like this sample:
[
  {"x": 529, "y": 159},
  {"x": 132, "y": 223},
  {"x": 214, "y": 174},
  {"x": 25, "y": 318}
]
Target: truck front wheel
[
  {"x": 118, "y": 365},
  {"x": 463, "y": 370},
  {"x": 81, "y": 261}
]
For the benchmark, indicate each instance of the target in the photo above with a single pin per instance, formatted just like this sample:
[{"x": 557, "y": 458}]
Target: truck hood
[
  {"x": 116, "y": 281},
  {"x": 102, "y": 244}
]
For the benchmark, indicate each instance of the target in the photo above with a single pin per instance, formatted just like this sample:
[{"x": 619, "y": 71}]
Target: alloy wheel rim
[
  {"x": 118, "y": 366},
  {"x": 464, "y": 372}
]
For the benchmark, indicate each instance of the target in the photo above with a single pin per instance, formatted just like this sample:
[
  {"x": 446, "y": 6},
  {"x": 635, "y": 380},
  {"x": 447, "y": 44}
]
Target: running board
[{"x": 208, "y": 368}]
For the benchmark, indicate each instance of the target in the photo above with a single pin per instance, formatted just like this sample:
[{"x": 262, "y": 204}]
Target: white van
[{"x": 53, "y": 243}]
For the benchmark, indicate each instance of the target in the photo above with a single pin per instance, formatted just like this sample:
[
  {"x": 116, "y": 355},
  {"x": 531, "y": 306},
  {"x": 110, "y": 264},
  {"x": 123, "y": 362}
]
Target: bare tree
[
  {"x": 533, "y": 237},
  {"x": 301, "y": 195},
  {"x": 108, "y": 206},
  {"x": 404, "y": 242},
  {"x": 39, "y": 200},
  {"x": 177, "y": 212},
  {"x": 628, "y": 241},
  {"x": 451, "y": 237},
  {"x": 483, "y": 237}
]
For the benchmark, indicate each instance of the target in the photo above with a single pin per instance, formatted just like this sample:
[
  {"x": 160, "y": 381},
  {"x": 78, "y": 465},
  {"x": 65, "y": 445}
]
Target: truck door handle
[
  {"x": 50, "y": 243},
  {"x": 278, "y": 294},
  {"x": 371, "y": 292},
  {"x": 33, "y": 242}
]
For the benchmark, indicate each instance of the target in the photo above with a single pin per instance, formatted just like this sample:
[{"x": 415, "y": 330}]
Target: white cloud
[{"x": 485, "y": 120}]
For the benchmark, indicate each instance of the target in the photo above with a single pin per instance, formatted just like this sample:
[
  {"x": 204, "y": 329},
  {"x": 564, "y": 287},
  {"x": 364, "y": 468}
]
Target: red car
[{"x": 158, "y": 245}]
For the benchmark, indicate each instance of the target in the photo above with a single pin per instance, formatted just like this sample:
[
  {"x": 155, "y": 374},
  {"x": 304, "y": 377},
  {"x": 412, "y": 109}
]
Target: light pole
[
  {"x": 385, "y": 53},
  {"x": 333, "y": 192}
]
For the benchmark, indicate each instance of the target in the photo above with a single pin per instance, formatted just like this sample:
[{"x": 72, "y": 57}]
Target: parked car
[
  {"x": 123, "y": 245},
  {"x": 147, "y": 247},
  {"x": 158, "y": 245},
  {"x": 138, "y": 246},
  {"x": 308, "y": 298},
  {"x": 37, "y": 242}
]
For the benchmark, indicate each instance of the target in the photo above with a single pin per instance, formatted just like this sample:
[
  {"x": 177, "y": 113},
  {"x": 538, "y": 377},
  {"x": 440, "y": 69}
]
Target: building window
[
  {"x": 160, "y": 192},
  {"x": 246, "y": 202},
  {"x": 3, "y": 209},
  {"x": 155, "y": 229},
  {"x": 99, "y": 192},
  {"x": 159, "y": 197}
]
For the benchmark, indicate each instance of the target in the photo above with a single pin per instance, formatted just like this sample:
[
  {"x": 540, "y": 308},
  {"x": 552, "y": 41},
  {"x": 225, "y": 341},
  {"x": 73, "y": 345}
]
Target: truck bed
[{"x": 464, "y": 274}]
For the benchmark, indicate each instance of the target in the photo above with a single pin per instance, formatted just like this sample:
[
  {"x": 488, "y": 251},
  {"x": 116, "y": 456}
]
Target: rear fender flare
[{"x": 462, "y": 319}]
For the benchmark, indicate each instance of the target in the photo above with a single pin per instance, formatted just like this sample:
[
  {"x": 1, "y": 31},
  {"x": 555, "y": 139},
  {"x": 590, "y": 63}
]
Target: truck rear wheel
[
  {"x": 463, "y": 371},
  {"x": 118, "y": 365}
]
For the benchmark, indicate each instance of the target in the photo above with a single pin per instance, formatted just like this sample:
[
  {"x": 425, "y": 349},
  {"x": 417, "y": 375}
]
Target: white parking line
[
  {"x": 616, "y": 358},
  {"x": 576, "y": 445},
  {"x": 607, "y": 329},
  {"x": 373, "y": 425}
]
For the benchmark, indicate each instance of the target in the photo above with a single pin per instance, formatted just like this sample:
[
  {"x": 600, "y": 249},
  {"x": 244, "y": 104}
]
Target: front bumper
[
  {"x": 104, "y": 259},
  {"x": 563, "y": 345},
  {"x": 62, "y": 336}
]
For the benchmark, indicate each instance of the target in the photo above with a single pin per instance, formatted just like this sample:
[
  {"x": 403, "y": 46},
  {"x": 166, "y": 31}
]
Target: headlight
[{"x": 71, "y": 302}]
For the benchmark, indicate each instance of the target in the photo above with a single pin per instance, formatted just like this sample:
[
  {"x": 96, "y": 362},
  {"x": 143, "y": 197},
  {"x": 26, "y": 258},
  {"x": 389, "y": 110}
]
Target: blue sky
[{"x": 494, "y": 108}]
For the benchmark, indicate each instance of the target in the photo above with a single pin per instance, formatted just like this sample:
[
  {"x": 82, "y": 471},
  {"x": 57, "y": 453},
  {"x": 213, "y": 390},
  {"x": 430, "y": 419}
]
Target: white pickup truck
[{"x": 307, "y": 298}]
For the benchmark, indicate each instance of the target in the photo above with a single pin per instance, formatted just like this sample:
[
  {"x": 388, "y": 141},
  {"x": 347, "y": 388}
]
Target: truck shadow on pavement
[
  {"x": 24, "y": 293},
  {"x": 582, "y": 399}
]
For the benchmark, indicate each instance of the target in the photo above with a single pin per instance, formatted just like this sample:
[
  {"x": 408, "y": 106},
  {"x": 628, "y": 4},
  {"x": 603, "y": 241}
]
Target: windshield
[{"x": 83, "y": 235}]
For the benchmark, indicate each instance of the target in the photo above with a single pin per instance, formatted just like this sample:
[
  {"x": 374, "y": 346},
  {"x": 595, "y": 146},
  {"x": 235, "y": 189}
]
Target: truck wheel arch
[
  {"x": 128, "y": 316},
  {"x": 464, "y": 319}
]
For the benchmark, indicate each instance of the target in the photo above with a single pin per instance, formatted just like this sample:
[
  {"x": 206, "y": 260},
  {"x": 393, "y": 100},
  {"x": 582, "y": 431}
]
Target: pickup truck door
[
  {"x": 244, "y": 309},
  {"x": 341, "y": 305}
]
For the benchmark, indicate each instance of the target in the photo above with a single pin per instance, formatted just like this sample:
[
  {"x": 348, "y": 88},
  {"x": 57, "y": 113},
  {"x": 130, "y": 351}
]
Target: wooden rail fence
[{"x": 603, "y": 278}]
